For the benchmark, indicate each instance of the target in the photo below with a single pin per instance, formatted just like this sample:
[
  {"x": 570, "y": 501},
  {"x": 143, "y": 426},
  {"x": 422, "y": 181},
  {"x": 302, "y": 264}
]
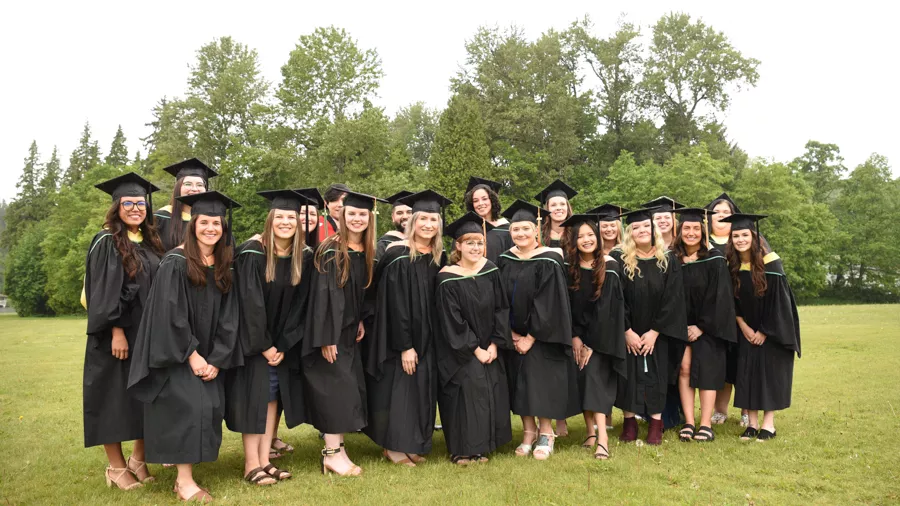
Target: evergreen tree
[
  {"x": 24, "y": 210},
  {"x": 84, "y": 158},
  {"x": 118, "y": 151},
  {"x": 49, "y": 183}
]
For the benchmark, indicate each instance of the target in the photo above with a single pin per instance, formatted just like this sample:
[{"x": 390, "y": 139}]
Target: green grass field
[{"x": 839, "y": 442}]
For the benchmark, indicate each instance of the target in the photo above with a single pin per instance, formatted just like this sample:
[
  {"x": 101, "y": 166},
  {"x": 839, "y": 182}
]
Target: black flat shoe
[
  {"x": 764, "y": 436},
  {"x": 749, "y": 434}
]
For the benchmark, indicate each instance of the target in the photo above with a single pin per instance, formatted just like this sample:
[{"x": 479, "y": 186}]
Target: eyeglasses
[
  {"x": 188, "y": 184},
  {"x": 474, "y": 244},
  {"x": 129, "y": 205}
]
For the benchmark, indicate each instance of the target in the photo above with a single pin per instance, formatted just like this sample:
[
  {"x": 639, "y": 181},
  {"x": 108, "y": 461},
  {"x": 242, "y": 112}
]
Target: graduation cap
[
  {"x": 427, "y": 201},
  {"x": 312, "y": 196},
  {"x": 577, "y": 219},
  {"x": 191, "y": 167},
  {"x": 608, "y": 212},
  {"x": 663, "y": 204},
  {"x": 724, "y": 196},
  {"x": 129, "y": 185},
  {"x": 361, "y": 200},
  {"x": 555, "y": 189},
  {"x": 741, "y": 221},
  {"x": 696, "y": 215},
  {"x": 287, "y": 200},
  {"x": 470, "y": 223},
  {"x": 475, "y": 181},
  {"x": 211, "y": 203},
  {"x": 394, "y": 199},
  {"x": 523, "y": 211},
  {"x": 639, "y": 215}
]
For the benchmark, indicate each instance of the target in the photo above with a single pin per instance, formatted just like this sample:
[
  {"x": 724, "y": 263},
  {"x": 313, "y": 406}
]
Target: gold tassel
[
  {"x": 540, "y": 240},
  {"x": 374, "y": 221},
  {"x": 706, "y": 226},
  {"x": 484, "y": 232}
]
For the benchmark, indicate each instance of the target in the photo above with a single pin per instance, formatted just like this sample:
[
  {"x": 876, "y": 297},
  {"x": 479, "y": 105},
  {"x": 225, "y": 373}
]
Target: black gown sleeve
[
  {"x": 250, "y": 282},
  {"x": 779, "y": 320},
  {"x": 326, "y": 306},
  {"x": 609, "y": 323},
  {"x": 460, "y": 337},
  {"x": 671, "y": 317},
  {"x": 501, "y": 335},
  {"x": 293, "y": 327},
  {"x": 226, "y": 350},
  {"x": 549, "y": 320},
  {"x": 716, "y": 317},
  {"x": 391, "y": 329},
  {"x": 110, "y": 293}
]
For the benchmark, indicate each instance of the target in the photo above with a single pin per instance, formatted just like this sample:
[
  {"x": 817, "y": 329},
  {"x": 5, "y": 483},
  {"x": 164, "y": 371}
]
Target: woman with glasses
[
  {"x": 191, "y": 177},
  {"x": 120, "y": 266}
]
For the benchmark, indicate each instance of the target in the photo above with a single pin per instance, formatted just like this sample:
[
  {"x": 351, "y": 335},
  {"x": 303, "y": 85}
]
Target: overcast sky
[{"x": 827, "y": 73}]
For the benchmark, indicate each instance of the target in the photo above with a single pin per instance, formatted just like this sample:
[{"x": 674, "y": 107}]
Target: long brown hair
[
  {"x": 548, "y": 224},
  {"x": 297, "y": 247},
  {"x": 573, "y": 257},
  {"x": 196, "y": 269},
  {"x": 114, "y": 225},
  {"x": 757, "y": 266},
  {"x": 341, "y": 245},
  {"x": 678, "y": 244},
  {"x": 176, "y": 230}
]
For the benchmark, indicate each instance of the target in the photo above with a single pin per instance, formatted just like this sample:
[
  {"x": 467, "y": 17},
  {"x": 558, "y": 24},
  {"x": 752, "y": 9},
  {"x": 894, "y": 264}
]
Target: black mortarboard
[
  {"x": 211, "y": 203},
  {"x": 428, "y": 201},
  {"x": 361, "y": 200},
  {"x": 475, "y": 181},
  {"x": 191, "y": 167},
  {"x": 741, "y": 221},
  {"x": 663, "y": 204},
  {"x": 523, "y": 211},
  {"x": 555, "y": 189},
  {"x": 608, "y": 212},
  {"x": 696, "y": 214},
  {"x": 127, "y": 185},
  {"x": 470, "y": 223},
  {"x": 724, "y": 196},
  {"x": 577, "y": 219},
  {"x": 286, "y": 200},
  {"x": 313, "y": 196},
  {"x": 393, "y": 200},
  {"x": 639, "y": 215}
]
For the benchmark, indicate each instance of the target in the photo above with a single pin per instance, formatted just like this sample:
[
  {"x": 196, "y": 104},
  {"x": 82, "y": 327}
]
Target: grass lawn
[{"x": 838, "y": 443}]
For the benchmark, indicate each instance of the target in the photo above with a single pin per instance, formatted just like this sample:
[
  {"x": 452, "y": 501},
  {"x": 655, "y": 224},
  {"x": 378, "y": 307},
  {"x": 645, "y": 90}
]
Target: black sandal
[
  {"x": 276, "y": 473},
  {"x": 705, "y": 434},
  {"x": 602, "y": 453},
  {"x": 686, "y": 433},
  {"x": 584, "y": 444},
  {"x": 764, "y": 435},
  {"x": 749, "y": 434},
  {"x": 257, "y": 475},
  {"x": 461, "y": 460}
]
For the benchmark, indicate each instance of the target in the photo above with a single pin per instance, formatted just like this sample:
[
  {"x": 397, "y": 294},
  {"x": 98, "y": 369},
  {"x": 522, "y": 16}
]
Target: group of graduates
[{"x": 534, "y": 310}]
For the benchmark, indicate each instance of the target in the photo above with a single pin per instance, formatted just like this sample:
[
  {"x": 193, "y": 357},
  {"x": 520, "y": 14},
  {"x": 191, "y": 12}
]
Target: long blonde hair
[
  {"x": 629, "y": 252},
  {"x": 437, "y": 242},
  {"x": 341, "y": 244},
  {"x": 620, "y": 234},
  {"x": 297, "y": 247}
]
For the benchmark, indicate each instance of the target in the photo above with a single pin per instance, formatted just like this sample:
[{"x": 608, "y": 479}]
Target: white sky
[{"x": 827, "y": 73}]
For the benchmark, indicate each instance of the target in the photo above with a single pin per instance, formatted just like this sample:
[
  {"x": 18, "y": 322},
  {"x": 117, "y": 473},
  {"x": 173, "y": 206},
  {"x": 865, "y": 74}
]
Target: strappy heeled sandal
[
  {"x": 602, "y": 452},
  {"x": 260, "y": 477},
  {"x": 524, "y": 449},
  {"x": 136, "y": 470},
  {"x": 705, "y": 434},
  {"x": 544, "y": 447},
  {"x": 278, "y": 474},
  {"x": 585, "y": 444},
  {"x": 326, "y": 452},
  {"x": 114, "y": 474},
  {"x": 686, "y": 433},
  {"x": 202, "y": 496},
  {"x": 405, "y": 461}
]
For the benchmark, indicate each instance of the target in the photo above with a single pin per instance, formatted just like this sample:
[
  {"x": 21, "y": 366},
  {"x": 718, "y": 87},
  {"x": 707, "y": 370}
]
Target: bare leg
[
  {"x": 754, "y": 419},
  {"x": 138, "y": 451},
  {"x": 265, "y": 442},
  {"x": 707, "y": 400},
  {"x": 562, "y": 428},
  {"x": 184, "y": 483},
  {"x": 251, "y": 451},
  {"x": 600, "y": 421},
  {"x": 684, "y": 387},
  {"x": 114, "y": 454},
  {"x": 339, "y": 462},
  {"x": 769, "y": 421},
  {"x": 723, "y": 398}
]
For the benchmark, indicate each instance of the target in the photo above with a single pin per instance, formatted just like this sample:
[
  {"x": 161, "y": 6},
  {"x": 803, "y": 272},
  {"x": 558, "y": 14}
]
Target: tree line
[{"x": 623, "y": 118}]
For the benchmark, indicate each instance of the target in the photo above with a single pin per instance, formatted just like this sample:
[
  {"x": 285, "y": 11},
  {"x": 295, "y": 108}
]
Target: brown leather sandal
[
  {"x": 139, "y": 470},
  {"x": 114, "y": 474},
  {"x": 202, "y": 496},
  {"x": 406, "y": 461},
  {"x": 260, "y": 477}
]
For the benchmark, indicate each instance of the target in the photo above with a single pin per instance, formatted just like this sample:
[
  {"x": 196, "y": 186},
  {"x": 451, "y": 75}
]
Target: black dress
[
  {"x": 335, "y": 393},
  {"x": 183, "y": 414},
  {"x": 653, "y": 300},
  {"x": 473, "y": 312},
  {"x": 266, "y": 310},
  {"x": 163, "y": 222},
  {"x": 111, "y": 415},
  {"x": 731, "y": 348},
  {"x": 601, "y": 326},
  {"x": 766, "y": 373},
  {"x": 710, "y": 306},
  {"x": 544, "y": 381},
  {"x": 402, "y": 406}
]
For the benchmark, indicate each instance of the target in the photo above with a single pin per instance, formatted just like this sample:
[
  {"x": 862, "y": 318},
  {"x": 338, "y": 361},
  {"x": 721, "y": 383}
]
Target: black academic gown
[
  {"x": 498, "y": 241},
  {"x": 710, "y": 306},
  {"x": 111, "y": 415},
  {"x": 335, "y": 393},
  {"x": 402, "y": 406},
  {"x": 473, "y": 312},
  {"x": 544, "y": 381},
  {"x": 266, "y": 310},
  {"x": 766, "y": 373},
  {"x": 183, "y": 414},
  {"x": 653, "y": 300},
  {"x": 383, "y": 242},
  {"x": 163, "y": 222},
  {"x": 600, "y": 324},
  {"x": 731, "y": 348}
]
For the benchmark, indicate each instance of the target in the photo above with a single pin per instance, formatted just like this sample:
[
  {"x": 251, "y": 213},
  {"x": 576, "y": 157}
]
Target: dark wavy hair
[
  {"x": 678, "y": 244},
  {"x": 573, "y": 257},
  {"x": 196, "y": 269},
  {"x": 495, "y": 200},
  {"x": 115, "y": 226},
  {"x": 176, "y": 230},
  {"x": 757, "y": 266}
]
